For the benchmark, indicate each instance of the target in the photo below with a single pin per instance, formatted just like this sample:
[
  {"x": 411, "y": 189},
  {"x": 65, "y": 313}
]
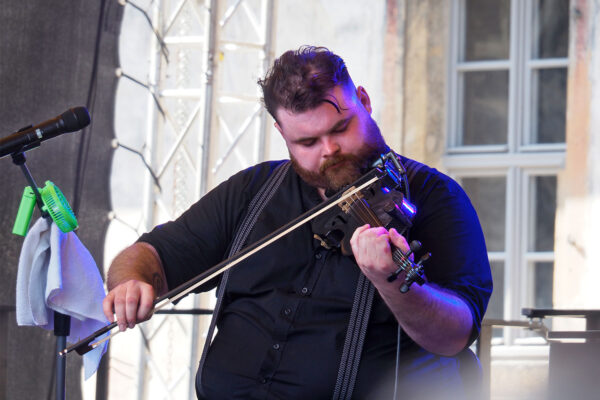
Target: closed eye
[
  {"x": 340, "y": 129},
  {"x": 307, "y": 142},
  {"x": 341, "y": 126}
]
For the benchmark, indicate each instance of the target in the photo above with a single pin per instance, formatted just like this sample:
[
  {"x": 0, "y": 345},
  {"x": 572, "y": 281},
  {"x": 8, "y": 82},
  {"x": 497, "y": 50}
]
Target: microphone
[{"x": 71, "y": 120}]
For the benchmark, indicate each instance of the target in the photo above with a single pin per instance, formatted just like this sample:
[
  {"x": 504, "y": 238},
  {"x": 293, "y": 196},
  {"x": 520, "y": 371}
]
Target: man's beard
[{"x": 332, "y": 177}]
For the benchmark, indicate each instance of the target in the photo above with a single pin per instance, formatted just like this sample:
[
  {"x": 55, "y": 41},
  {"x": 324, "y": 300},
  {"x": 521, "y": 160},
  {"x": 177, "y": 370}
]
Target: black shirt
[{"x": 286, "y": 309}]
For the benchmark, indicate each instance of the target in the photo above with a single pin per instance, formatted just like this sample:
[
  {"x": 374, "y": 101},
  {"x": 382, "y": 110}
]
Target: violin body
[
  {"x": 383, "y": 203},
  {"x": 390, "y": 207}
]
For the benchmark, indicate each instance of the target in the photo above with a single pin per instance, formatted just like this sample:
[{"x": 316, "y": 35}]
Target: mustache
[{"x": 338, "y": 159}]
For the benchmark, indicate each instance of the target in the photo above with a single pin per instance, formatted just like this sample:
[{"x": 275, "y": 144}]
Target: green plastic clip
[{"x": 25, "y": 211}]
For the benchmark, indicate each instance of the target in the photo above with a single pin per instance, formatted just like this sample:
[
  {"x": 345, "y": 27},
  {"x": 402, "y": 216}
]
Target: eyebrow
[{"x": 333, "y": 104}]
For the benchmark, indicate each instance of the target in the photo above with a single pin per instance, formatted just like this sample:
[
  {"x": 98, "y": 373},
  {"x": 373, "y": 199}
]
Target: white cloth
[{"x": 57, "y": 273}]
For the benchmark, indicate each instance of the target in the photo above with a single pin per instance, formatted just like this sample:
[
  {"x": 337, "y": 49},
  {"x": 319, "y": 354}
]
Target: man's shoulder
[
  {"x": 414, "y": 168},
  {"x": 265, "y": 167},
  {"x": 418, "y": 171},
  {"x": 250, "y": 180},
  {"x": 259, "y": 172},
  {"x": 424, "y": 179}
]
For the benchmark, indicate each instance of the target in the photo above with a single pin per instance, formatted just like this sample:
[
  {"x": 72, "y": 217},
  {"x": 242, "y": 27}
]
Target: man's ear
[
  {"x": 363, "y": 96},
  {"x": 278, "y": 127}
]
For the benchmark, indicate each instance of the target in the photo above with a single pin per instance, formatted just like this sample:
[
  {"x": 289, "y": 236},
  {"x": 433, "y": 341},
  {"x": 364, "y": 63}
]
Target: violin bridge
[{"x": 346, "y": 205}]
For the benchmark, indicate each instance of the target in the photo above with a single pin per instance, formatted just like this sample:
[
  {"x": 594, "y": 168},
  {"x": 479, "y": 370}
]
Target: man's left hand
[{"x": 372, "y": 248}]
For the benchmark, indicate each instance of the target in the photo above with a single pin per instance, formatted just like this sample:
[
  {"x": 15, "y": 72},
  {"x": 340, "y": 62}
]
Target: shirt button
[
  {"x": 276, "y": 346},
  {"x": 263, "y": 381},
  {"x": 318, "y": 256},
  {"x": 304, "y": 290},
  {"x": 287, "y": 311}
]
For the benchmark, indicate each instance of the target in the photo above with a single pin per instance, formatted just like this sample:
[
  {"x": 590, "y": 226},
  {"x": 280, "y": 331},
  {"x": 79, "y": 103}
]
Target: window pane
[
  {"x": 542, "y": 287},
  {"x": 551, "y": 88},
  {"x": 487, "y": 30},
  {"x": 485, "y": 110},
  {"x": 552, "y": 33},
  {"x": 542, "y": 210},
  {"x": 488, "y": 195}
]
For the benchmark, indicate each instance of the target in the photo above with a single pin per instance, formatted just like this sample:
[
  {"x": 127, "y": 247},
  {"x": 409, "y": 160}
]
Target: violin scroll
[
  {"x": 415, "y": 274},
  {"x": 414, "y": 271}
]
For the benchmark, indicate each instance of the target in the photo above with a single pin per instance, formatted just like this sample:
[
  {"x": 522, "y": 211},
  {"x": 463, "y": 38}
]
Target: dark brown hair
[{"x": 300, "y": 79}]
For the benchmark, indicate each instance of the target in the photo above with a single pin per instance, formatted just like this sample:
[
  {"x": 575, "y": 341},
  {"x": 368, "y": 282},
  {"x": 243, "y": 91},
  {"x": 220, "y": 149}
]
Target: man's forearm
[
  {"x": 436, "y": 319},
  {"x": 141, "y": 262}
]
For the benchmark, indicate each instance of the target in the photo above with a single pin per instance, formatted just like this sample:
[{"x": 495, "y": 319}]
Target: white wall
[{"x": 353, "y": 29}]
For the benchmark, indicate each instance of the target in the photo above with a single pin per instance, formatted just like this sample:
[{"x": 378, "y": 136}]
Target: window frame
[{"x": 518, "y": 160}]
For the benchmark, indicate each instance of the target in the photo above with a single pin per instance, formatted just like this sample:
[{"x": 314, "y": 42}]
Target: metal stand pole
[
  {"x": 62, "y": 329},
  {"x": 62, "y": 323}
]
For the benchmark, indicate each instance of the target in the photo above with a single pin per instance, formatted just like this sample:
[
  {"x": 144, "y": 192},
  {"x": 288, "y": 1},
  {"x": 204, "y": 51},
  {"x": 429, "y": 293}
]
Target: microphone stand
[{"x": 62, "y": 322}]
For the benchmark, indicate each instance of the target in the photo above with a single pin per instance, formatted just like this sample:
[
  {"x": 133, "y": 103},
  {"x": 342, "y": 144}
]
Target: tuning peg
[
  {"x": 394, "y": 275},
  {"x": 415, "y": 274},
  {"x": 424, "y": 258},
  {"x": 415, "y": 246}
]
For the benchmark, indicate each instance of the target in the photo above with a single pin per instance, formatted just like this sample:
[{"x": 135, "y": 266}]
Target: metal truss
[{"x": 204, "y": 122}]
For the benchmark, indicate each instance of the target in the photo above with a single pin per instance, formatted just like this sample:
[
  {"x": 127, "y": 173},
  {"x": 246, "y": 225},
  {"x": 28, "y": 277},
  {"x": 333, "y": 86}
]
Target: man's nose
[{"x": 330, "y": 146}]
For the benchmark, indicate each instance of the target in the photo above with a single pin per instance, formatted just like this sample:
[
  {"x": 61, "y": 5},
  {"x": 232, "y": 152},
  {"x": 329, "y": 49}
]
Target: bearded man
[{"x": 287, "y": 325}]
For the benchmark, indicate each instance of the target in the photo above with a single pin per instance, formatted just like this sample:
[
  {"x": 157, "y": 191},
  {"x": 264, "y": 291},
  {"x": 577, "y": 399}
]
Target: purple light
[{"x": 409, "y": 208}]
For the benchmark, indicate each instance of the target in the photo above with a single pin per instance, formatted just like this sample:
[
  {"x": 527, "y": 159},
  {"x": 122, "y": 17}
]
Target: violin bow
[{"x": 93, "y": 340}]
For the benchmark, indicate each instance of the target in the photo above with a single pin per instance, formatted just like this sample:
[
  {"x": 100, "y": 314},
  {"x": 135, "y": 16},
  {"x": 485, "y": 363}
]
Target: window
[{"x": 506, "y": 137}]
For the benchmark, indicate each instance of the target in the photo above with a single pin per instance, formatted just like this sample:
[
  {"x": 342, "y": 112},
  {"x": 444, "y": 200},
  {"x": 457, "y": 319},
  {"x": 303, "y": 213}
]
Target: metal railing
[{"x": 534, "y": 323}]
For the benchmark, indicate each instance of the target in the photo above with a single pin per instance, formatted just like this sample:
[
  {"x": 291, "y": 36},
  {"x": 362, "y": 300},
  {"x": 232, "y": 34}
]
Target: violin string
[
  {"x": 401, "y": 260},
  {"x": 362, "y": 212}
]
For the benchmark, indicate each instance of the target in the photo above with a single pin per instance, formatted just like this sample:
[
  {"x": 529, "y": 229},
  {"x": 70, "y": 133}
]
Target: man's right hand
[
  {"x": 131, "y": 302},
  {"x": 135, "y": 278}
]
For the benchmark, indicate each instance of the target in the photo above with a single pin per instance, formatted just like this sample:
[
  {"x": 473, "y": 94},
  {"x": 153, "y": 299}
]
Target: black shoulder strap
[
  {"x": 359, "y": 317},
  {"x": 355, "y": 338},
  {"x": 254, "y": 209}
]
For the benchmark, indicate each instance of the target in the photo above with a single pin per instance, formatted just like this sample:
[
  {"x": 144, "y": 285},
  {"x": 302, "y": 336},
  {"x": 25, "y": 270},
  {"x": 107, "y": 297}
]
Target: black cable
[
  {"x": 84, "y": 143},
  {"x": 148, "y": 167},
  {"x": 163, "y": 45},
  {"x": 144, "y": 85}
]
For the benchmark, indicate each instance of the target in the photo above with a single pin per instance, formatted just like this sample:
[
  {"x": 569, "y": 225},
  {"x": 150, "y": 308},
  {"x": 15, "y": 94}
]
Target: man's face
[{"x": 331, "y": 144}]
